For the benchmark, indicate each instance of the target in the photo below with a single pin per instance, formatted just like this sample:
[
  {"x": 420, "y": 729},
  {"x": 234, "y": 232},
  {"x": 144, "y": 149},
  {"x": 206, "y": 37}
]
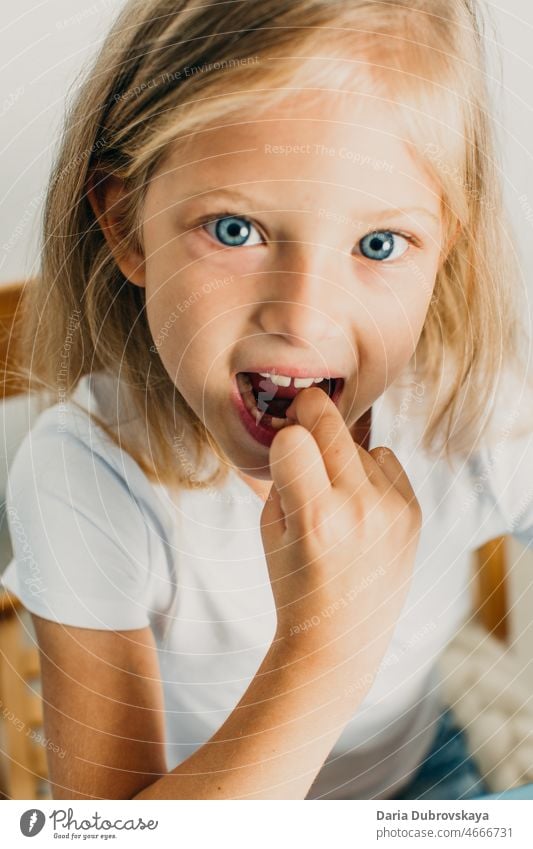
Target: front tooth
[
  {"x": 303, "y": 382},
  {"x": 318, "y": 379},
  {"x": 280, "y": 379}
]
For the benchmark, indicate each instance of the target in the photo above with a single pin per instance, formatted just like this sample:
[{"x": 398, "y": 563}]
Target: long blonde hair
[{"x": 169, "y": 68}]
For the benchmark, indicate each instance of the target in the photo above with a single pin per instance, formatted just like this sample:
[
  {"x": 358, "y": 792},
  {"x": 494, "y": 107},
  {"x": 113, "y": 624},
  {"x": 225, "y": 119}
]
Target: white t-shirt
[{"x": 98, "y": 545}]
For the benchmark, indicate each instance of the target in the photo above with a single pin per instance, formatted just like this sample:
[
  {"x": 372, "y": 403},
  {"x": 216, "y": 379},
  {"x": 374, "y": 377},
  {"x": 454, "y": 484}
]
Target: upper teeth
[{"x": 285, "y": 380}]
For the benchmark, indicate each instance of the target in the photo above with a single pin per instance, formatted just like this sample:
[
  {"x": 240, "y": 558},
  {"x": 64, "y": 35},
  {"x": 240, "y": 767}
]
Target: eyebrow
[
  {"x": 395, "y": 212},
  {"x": 368, "y": 215}
]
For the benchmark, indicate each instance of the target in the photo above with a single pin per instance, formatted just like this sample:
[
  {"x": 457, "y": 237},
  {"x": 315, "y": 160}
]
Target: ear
[{"x": 107, "y": 197}]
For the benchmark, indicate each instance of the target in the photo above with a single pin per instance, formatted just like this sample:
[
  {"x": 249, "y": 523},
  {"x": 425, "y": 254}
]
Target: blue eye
[
  {"x": 233, "y": 231},
  {"x": 382, "y": 245}
]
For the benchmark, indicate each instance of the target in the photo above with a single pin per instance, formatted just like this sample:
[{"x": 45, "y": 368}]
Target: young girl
[{"x": 280, "y": 317}]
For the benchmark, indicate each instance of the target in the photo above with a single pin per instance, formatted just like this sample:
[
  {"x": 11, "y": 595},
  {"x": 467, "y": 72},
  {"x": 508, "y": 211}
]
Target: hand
[{"x": 340, "y": 530}]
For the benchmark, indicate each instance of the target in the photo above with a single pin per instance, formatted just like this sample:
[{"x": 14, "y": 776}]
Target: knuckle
[
  {"x": 381, "y": 454},
  {"x": 315, "y": 524},
  {"x": 314, "y": 516},
  {"x": 363, "y": 501}
]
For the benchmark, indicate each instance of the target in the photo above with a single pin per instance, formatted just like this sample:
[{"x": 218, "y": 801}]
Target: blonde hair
[{"x": 166, "y": 70}]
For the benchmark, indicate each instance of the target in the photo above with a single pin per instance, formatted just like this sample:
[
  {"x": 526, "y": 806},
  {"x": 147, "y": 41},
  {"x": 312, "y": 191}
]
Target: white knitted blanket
[{"x": 482, "y": 682}]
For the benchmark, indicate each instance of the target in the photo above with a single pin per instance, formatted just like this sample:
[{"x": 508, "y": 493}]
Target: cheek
[
  {"x": 162, "y": 315},
  {"x": 409, "y": 301},
  {"x": 192, "y": 323},
  {"x": 391, "y": 347},
  {"x": 391, "y": 335}
]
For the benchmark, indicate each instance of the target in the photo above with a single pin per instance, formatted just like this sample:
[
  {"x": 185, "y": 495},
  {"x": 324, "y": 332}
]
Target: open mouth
[{"x": 267, "y": 397}]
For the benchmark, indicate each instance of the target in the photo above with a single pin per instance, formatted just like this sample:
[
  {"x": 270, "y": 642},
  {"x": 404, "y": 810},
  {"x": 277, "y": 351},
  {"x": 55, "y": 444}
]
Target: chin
[
  {"x": 259, "y": 473},
  {"x": 247, "y": 463}
]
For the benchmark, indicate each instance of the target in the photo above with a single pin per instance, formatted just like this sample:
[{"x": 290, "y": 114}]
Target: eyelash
[{"x": 211, "y": 219}]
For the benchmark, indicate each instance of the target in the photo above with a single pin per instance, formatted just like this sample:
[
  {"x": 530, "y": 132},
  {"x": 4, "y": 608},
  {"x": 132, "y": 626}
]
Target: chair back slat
[
  {"x": 491, "y": 596},
  {"x": 21, "y": 718},
  {"x": 10, "y": 303}
]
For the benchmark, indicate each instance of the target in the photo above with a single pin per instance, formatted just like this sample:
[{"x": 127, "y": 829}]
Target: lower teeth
[{"x": 276, "y": 423}]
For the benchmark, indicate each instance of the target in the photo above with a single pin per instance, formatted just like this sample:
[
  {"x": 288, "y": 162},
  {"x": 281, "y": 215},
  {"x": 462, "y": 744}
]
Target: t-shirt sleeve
[
  {"x": 506, "y": 474},
  {"x": 79, "y": 539},
  {"x": 504, "y": 466}
]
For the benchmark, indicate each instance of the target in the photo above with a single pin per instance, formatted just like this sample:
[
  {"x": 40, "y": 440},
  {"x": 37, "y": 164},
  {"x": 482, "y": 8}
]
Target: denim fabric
[
  {"x": 525, "y": 791},
  {"x": 448, "y": 771}
]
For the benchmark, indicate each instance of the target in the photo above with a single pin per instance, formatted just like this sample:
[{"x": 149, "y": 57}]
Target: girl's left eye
[
  {"x": 383, "y": 245},
  {"x": 232, "y": 231}
]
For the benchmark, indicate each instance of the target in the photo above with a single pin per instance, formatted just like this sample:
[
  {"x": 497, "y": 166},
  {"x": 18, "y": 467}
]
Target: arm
[
  {"x": 276, "y": 740},
  {"x": 103, "y": 707}
]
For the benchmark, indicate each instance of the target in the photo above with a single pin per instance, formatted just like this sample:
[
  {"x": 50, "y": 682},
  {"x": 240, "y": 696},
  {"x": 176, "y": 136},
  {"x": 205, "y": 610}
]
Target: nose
[{"x": 298, "y": 299}]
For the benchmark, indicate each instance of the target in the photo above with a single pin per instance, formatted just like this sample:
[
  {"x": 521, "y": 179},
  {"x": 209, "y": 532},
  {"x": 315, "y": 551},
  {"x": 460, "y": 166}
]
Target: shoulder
[
  {"x": 69, "y": 456},
  {"x": 88, "y": 531},
  {"x": 71, "y": 431},
  {"x": 502, "y": 463},
  {"x": 510, "y": 414}
]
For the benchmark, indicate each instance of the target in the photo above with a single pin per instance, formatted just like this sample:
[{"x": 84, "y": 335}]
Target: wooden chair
[
  {"x": 10, "y": 303},
  {"x": 491, "y": 587},
  {"x": 24, "y": 759},
  {"x": 21, "y": 718},
  {"x": 23, "y": 755}
]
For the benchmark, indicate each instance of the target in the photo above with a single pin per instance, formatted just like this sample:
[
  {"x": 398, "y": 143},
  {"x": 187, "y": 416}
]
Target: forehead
[{"x": 309, "y": 145}]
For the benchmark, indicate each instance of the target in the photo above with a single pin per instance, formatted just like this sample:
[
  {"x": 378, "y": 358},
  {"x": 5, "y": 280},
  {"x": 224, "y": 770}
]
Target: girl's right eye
[{"x": 232, "y": 231}]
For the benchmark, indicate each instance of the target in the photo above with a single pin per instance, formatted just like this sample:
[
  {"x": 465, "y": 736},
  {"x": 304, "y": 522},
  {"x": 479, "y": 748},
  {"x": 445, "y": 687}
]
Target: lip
[
  {"x": 290, "y": 371},
  {"x": 260, "y": 433}
]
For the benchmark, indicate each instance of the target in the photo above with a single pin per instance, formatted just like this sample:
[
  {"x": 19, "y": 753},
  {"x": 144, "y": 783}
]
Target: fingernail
[{"x": 290, "y": 413}]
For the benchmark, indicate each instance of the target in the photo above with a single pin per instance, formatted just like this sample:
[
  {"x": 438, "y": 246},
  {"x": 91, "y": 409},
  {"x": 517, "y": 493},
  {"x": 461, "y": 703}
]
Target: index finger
[
  {"x": 297, "y": 469},
  {"x": 313, "y": 409}
]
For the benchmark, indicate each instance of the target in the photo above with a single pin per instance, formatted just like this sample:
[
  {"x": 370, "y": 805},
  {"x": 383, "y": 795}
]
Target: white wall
[{"x": 45, "y": 45}]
